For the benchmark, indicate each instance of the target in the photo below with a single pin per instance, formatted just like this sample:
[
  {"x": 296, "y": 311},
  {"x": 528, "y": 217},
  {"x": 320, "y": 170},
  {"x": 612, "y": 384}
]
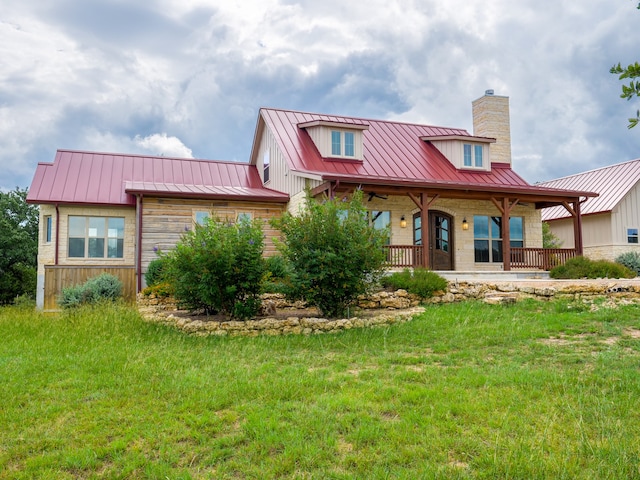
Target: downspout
[
  {"x": 139, "y": 241},
  {"x": 55, "y": 262}
]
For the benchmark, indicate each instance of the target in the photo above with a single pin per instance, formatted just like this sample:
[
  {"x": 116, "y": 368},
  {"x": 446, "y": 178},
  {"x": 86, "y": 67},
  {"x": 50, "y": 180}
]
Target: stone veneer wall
[{"x": 388, "y": 307}]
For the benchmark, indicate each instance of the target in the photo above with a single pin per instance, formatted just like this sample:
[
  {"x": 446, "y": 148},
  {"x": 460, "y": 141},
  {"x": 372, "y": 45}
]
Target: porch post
[
  {"x": 577, "y": 228},
  {"x": 506, "y": 236},
  {"x": 424, "y": 219}
]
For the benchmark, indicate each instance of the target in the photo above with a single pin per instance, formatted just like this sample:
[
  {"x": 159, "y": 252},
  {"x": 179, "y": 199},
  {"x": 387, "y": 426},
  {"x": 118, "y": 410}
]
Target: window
[
  {"x": 201, "y": 217},
  {"x": 632, "y": 235},
  {"x": 265, "y": 165},
  {"x": 244, "y": 217},
  {"x": 477, "y": 150},
  {"x": 473, "y": 155},
  {"x": 343, "y": 144},
  {"x": 381, "y": 220},
  {"x": 487, "y": 237},
  {"x": 47, "y": 228},
  {"x": 467, "y": 155},
  {"x": 96, "y": 237}
]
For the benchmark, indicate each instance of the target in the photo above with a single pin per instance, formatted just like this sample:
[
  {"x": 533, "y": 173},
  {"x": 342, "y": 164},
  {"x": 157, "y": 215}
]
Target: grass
[{"x": 466, "y": 391}]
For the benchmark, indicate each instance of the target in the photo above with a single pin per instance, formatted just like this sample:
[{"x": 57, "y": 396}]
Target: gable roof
[
  {"x": 612, "y": 183},
  {"x": 395, "y": 153},
  {"x": 77, "y": 177}
]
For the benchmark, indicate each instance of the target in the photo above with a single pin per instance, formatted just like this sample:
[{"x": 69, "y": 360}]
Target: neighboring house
[
  {"x": 113, "y": 211},
  {"x": 611, "y": 221}
]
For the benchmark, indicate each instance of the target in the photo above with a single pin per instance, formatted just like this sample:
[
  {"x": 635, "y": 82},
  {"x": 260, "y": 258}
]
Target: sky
[{"x": 186, "y": 78}]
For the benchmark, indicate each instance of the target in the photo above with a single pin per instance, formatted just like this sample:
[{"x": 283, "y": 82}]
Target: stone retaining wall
[{"x": 378, "y": 309}]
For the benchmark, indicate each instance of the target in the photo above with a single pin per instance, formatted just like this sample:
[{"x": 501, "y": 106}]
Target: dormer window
[
  {"x": 338, "y": 141},
  {"x": 473, "y": 155},
  {"x": 342, "y": 144}
]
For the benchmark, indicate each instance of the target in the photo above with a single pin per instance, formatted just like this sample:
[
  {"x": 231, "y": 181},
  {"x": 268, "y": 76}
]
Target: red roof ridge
[
  {"x": 364, "y": 119},
  {"x": 142, "y": 155}
]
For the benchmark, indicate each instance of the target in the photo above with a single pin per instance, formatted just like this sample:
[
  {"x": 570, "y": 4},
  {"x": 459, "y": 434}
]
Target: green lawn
[{"x": 536, "y": 390}]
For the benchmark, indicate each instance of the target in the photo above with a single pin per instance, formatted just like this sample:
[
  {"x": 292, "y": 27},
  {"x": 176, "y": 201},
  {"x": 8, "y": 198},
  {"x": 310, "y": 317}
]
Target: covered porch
[{"x": 454, "y": 227}]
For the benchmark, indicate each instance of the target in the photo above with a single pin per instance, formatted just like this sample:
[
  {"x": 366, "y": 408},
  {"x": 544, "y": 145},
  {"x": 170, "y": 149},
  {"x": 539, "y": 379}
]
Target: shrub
[
  {"x": 631, "y": 260},
  {"x": 334, "y": 252},
  {"x": 218, "y": 267},
  {"x": 104, "y": 287},
  {"x": 278, "y": 267},
  {"x": 582, "y": 267},
  {"x": 156, "y": 271},
  {"x": 421, "y": 282},
  {"x": 160, "y": 290},
  {"x": 549, "y": 239}
]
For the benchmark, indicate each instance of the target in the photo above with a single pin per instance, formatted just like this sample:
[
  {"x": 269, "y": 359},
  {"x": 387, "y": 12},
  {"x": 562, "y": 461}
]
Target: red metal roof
[
  {"x": 394, "y": 154},
  {"x": 612, "y": 183},
  {"x": 77, "y": 177}
]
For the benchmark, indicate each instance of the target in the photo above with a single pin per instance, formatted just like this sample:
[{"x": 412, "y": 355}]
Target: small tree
[
  {"x": 334, "y": 252},
  {"x": 218, "y": 267}
]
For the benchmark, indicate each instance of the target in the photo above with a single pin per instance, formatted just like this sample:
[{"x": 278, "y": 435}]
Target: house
[
  {"x": 103, "y": 211},
  {"x": 610, "y": 222}
]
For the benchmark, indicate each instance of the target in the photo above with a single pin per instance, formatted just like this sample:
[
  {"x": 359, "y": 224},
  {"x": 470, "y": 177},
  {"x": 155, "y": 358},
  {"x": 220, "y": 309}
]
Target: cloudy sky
[{"x": 187, "y": 77}]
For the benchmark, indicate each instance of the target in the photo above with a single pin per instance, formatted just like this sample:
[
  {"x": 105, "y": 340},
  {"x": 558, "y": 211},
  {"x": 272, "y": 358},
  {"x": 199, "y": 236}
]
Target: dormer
[
  {"x": 464, "y": 152},
  {"x": 337, "y": 140}
]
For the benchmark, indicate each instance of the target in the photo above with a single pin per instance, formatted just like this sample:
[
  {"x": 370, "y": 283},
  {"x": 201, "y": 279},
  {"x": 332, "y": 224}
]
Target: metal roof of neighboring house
[
  {"x": 395, "y": 153},
  {"x": 612, "y": 183},
  {"x": 77, "y": 177}
]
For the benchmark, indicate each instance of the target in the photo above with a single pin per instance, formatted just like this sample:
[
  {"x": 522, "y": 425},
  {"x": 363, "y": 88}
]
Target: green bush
[
  {"x": 156, "y": 273},
  {"x": 631, "y": 260},
  {"x": 218, "y": 267},
  {"x": 582, "y": 267},
  {"x": 278, "y": 267},
  {"x": 104, "y": 287},
  {"x": 421, "y": 282},
  {"x": 334, "y": 252},
  {"x": 160, "y": 290}
]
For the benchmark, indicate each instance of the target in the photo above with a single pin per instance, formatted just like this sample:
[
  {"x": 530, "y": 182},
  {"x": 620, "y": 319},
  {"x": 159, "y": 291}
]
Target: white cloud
[{"x": 161, "y": 144}]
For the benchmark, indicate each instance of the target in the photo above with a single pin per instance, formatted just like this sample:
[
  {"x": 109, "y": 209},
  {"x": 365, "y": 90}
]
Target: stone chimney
[{"x": 491, "y": 119}]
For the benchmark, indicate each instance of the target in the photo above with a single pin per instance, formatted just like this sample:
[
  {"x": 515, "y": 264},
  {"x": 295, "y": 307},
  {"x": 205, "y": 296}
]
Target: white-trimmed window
[
  {"x": 48, "y": 226},
  {"x": 96, "y": 237},
  {"x": 343, "y": 144},
  {"x": 473, "y": 155},
  {"x": 266, "y": 161},
  {"x": 632, "y": 235}
]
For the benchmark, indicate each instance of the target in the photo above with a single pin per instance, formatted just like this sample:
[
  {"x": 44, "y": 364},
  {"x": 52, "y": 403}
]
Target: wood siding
[
  {"x": 321, "y": 136},
  {"x": 58, "y": 277},
  {"x": 165, "y": 220},
  {"x": 453, "y": 151},
  {"x": 626, "y": 215}
]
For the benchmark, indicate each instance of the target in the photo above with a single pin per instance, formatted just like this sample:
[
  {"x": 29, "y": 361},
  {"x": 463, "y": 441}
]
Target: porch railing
[
  {"x": 404, "y": 255},
  {"x": 538, "y": 258},
  {"x": 542, "y": 258}
]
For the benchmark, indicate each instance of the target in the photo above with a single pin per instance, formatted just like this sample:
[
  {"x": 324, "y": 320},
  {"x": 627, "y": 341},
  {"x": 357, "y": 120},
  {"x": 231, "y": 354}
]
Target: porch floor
[{"x": 497, "y": 276}]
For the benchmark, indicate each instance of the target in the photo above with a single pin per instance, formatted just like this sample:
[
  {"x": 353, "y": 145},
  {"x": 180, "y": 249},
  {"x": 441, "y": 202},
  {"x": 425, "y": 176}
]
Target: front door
[{"x": 441, "y": 244}]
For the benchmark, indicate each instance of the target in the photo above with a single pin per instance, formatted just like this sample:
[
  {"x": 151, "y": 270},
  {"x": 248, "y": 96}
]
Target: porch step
[{"x": 499, "y": 276}]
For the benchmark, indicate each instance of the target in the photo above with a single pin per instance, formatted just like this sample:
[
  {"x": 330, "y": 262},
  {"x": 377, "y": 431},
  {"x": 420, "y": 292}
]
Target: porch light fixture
[
  {"x": 403, "y": 222},
  {"x": 465, "y": 225}
]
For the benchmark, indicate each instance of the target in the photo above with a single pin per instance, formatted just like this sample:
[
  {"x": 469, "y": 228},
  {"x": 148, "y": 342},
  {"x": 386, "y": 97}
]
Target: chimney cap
[{"x": 488, "y": 92}]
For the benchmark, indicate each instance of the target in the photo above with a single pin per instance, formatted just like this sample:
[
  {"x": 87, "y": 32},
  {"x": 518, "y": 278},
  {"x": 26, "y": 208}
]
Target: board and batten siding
[
  {"x": 453, "y": 151},
  {"x": 165, "y": 220},
  {"x": 626, "y": 215},
  {"x": 321, "y": 136},
  {"x": 280, "y": 177}
]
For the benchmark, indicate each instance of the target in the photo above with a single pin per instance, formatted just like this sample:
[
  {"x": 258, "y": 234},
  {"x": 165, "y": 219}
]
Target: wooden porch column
[
  {"x": 423, "y": 203},
  {"x": 505, "y": 209},
  {"x": 577, "y": 228},
  {"x": 574, "y": 211},
  {"x": 424, "y": 219}
]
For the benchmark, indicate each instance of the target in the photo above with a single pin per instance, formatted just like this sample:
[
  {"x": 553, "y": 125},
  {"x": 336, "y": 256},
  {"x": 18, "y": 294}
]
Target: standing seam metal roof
[
  {"x": 612, "y": 183},
  {"x": 78, "y": 177}
]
